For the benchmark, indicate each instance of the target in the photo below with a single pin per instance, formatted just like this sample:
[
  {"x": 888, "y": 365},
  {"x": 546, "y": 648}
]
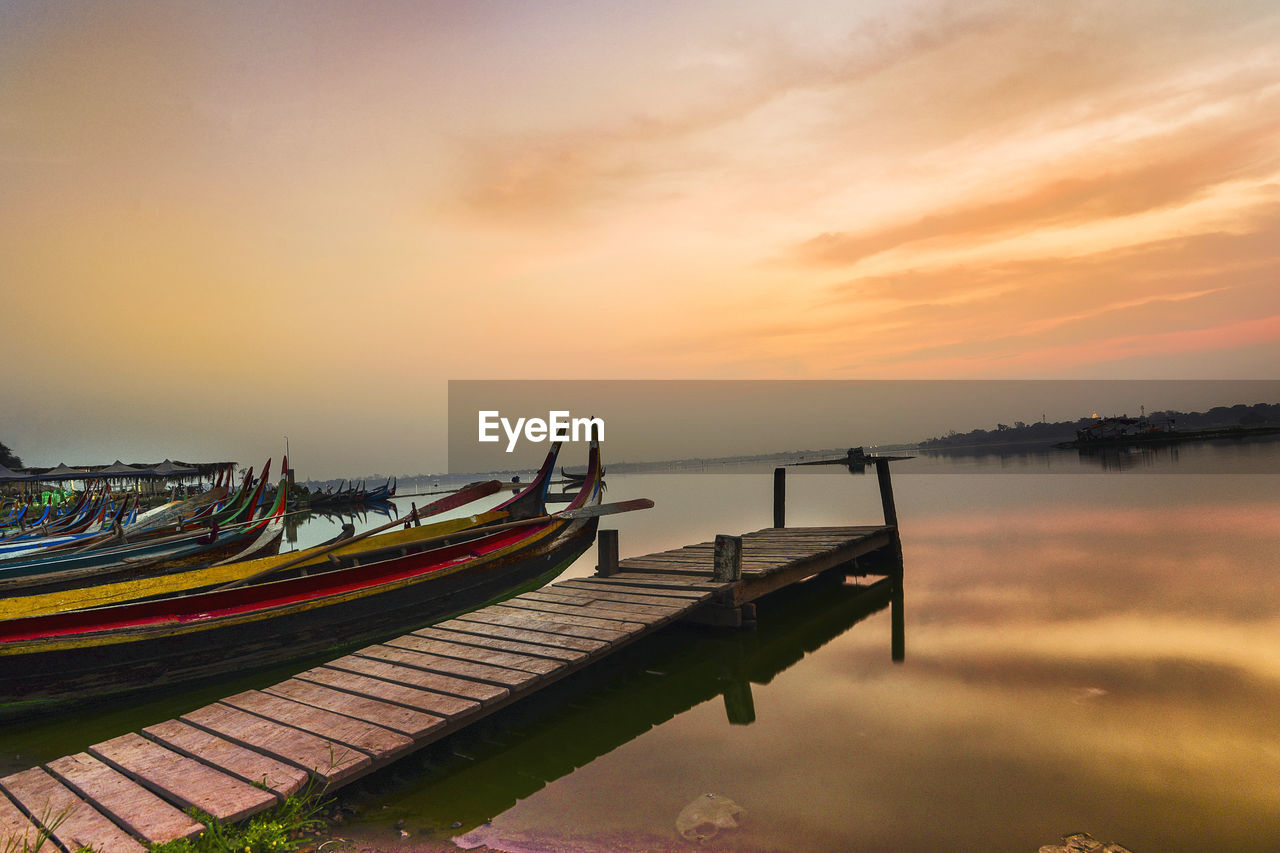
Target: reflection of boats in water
[
  {"x": 468, "y": 779},
  {"x": 570, "y": 485},
  {"x": 349, "y": 518},
  {"x": 573, "y": 477}
]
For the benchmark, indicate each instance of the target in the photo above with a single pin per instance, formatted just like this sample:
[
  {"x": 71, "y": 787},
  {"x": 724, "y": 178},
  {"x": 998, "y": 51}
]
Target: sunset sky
[{"x": 221, "y": 224}]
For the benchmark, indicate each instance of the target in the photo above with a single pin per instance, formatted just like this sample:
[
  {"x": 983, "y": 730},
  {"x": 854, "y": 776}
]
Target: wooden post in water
[
  {"x": 728, "y": 558},
  {"x": 890, "y": 511},
  {"x": 897, "y": 623},
  {"x": 606, "y": 553},
  {"x": 886, "y": 492},
  {"x": 779, "y": 497}
]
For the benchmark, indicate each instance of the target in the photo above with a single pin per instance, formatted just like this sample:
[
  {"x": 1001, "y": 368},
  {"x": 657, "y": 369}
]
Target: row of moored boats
[{"x": 105, "y": 599}]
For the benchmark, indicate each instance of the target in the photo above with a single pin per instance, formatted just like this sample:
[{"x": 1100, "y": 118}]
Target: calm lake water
[{"x": 1092, "y": 644}]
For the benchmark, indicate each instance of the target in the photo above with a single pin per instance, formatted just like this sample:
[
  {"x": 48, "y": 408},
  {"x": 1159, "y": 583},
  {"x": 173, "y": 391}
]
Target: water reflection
[
  {"x": 1127, "y": 458},
  {"x": 306, "y": 528},
  {"x": 1252, "y": 455},
  {"x": 464, "y": 782}
]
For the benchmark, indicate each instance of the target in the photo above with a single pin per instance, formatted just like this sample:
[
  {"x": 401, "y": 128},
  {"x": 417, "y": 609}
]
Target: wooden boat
[
  {"x": 353, "y": 495},
  {"x": 35, "y": 600},
  {"x": 224, "y": 535},
  {"x": 86, "y": 654},
  {"x": 201, "y": 546},
  {"x": 382, "y": 493}
]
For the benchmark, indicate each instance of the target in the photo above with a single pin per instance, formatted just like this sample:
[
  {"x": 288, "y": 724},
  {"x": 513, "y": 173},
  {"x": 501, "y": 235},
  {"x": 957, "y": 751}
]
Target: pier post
[
  {"x": 779, "y": 497},
  {"x": 890, "y": 513},
  {"x": 897, "y": 623},
  {"x": 727, "y": 565},
  {"x": 606, "y": 553},
  {"x": 886, "y": 493}
]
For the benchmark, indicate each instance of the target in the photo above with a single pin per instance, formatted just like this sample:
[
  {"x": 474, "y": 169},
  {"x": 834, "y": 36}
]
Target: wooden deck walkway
[{"x": 339, "y": 721}]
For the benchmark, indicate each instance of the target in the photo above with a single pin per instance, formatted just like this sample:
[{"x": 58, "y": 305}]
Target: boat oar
[
  {"x": 564, "y": 515},
  {"x": 453, "y": 501}
]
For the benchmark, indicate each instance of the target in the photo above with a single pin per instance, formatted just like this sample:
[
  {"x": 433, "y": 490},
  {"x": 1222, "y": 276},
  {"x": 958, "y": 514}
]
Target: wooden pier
[{"x": 337, "y": 722}]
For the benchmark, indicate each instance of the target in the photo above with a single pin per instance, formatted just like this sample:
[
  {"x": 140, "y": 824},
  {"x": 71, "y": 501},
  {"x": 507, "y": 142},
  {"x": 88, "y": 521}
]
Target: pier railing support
[
  {"x": 779, "y": 497},
  {"x": 606, "y": 553},
  {"x": 897, "y": 624},
  {"x": 890, "y": 511},
  {"x": 886, "y": 492},
  {"x": 727, "y": 565}
]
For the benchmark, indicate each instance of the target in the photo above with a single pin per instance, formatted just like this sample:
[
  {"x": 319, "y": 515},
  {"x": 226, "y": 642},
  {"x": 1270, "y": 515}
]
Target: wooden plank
[
  {"x": 248, "y": 765},
  {"x": 410, "y": 722},
  {"x": 527, "y": 620},
  {"x": 485, "y": 694},
  {"x": 676, "y": 560},
  {"x": 470, "y": 670},
  {"x": 329, "y": 762},
  {"x": 17, "y": 832},
  {"x": 626, "y": 614},
  {"x": 763, "y": 553},
  {"x": 575, "y": 614},
  {"x": 668, "y": 570},
  {"x": 773, "y": 547},
  {"x": 683, "y": 584},
  {"x": 134, "y": 807},
  {"x": 801, "y": 531},
  {"x": 790, "y": 533},
  {"x": 379, "y": 743},
  {"x": 71, "y": 821},
  {"x": 564, "y": 654},
  {"x": 766, "y": 547},
  {"x": 602, "y": 601},
  {"x": 687, "y": 584},
  {"x": 637, "y": 587},
  {"x": 778, "y": 556},
  {"x": 525, "y": 635},
  {"x": 510, "y": 660},
  {"x": 182, "y": 780},
  {"x": 765, "y": 543},
  {"x": 428, "y": 701},
  {"x": 689, "y": 556},
  {"x": 612, "y": 595}
]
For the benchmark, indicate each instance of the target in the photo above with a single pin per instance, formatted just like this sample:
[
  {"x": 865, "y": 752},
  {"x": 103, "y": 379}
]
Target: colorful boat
[
  {"x": 239, "y": 536},
  {"x": 36, "y": 600},
  {"x": 86, "y": 654}
]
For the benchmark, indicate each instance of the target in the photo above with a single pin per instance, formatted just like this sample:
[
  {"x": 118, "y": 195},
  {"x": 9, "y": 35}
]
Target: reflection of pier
[{"x": 346, "y": 718}]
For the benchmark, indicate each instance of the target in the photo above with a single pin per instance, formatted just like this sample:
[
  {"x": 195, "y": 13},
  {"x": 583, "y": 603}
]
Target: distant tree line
[
  {"x": 8, "y": 458},
  {"x": 1020, "y": 431}
]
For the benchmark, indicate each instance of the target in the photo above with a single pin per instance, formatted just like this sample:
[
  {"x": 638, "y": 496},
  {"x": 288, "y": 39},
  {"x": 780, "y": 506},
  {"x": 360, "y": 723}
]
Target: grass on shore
[{"x": 277, "y": 830}]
